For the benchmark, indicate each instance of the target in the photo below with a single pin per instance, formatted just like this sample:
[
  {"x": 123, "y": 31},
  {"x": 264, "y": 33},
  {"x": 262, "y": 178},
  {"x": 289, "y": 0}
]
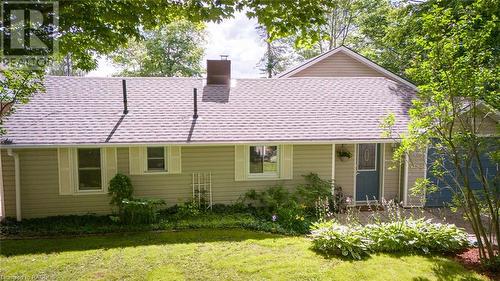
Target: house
[{"x": 175, "y": 135}]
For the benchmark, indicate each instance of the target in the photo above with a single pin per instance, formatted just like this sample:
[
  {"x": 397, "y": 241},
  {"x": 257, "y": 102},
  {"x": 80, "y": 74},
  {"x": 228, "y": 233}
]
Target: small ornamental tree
[
  {"x": 456, "y": 65},
  {"x": 120, "y": 188}
]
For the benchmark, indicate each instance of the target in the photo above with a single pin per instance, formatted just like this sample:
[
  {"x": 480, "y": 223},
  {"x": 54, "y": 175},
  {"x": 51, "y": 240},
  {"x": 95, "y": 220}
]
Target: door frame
[{"x": 380, "y": 165}]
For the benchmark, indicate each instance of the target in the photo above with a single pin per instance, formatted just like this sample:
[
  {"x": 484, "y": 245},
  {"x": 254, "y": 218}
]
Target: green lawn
[{"x": 206, "y": 255}]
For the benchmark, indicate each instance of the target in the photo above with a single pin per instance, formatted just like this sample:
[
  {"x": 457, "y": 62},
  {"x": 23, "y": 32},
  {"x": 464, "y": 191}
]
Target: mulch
[{"x": 469, "y": 258}]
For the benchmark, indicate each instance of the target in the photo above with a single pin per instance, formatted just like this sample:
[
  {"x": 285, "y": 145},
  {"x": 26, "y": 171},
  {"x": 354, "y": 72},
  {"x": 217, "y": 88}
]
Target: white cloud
[
  {"x": 104, "y": 68},
  {"x": 235, "y": 37}
]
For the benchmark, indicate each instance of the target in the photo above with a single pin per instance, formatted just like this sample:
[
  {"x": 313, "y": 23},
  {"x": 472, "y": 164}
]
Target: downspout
[{"x": 18, "y": 182}]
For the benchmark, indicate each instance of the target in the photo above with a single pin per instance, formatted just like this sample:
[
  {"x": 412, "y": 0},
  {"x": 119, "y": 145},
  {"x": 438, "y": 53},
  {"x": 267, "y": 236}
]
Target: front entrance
[{"x": 367, "y": 171}]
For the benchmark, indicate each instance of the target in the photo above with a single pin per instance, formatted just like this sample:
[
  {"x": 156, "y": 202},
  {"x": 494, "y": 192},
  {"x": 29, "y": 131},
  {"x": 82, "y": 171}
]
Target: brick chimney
[{"x": 219, "y": 71}]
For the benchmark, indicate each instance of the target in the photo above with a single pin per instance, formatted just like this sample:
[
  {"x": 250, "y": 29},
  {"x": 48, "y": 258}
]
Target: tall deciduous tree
[
  {"x": 279, "y": 54},
  {"x": 64, "y": 66},
  {"x": 339, "y": 26},
  {"x": 173, "y": 50},
  {"x": 455, "y": 62}
]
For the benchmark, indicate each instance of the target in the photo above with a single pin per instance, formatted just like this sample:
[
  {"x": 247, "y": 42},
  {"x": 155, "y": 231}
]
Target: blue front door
[{"x": 367, "y": 172}]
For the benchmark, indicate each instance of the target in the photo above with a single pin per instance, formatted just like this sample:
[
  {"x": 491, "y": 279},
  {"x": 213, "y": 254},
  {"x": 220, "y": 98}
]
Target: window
[
  {"x": 156, "y": 159},
  {"x": 264, "y": 160},
  {"x": 367, "y": 155},
  {"x": 89, "y": 169}
]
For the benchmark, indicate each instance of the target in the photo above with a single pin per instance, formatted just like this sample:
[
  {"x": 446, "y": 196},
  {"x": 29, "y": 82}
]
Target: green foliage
[
  {"x": 17, "y": 86},
  {"x": 332, "y": 238},
  {"x": 188, "y": 209},
  {"x": 315, "y": 188},
  {"x": 140, "y": 211},
  {"x": 175, "y": 49},
  {"x": 279, "y": 55},
  {"x": 415, "y": 236},
  {"x": 452, "y": 50},
  {"x": 344, "y": 153},
  {"x": 296, "y": 211},
  {"x": 293, "y": 218},
  {"x": 278, "y": 205},
  {"x": 225, "y": 217},
  {"x": 88, "y": 28},
  {"x": 120, "y": 188},
  {"x": 271, "y": 199},
  {"x": 409, "y": 235}
]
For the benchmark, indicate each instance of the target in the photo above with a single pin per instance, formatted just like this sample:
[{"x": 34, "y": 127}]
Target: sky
[{"x": 235, "y": 37}]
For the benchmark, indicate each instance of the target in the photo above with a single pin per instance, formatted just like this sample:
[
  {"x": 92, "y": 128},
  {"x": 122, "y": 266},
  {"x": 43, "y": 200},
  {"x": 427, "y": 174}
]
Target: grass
[{"x": 206, "y": 254}]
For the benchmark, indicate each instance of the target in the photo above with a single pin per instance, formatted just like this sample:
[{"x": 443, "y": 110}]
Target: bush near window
[
  {"x": 140, "y": 211},
  {"x": 279, "y": 206},
  {"x": 314, "y": 188},
  {"x": 120, "y": 188},
  {"x": 130, "y": 210},
  {"x": 296, "y": 211},
  {"x": 409, "y": 235}
]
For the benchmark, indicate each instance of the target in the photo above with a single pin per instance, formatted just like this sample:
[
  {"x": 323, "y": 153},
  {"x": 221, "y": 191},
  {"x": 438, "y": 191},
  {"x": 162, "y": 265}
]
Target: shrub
[
  {"x": 188, "y": 209},
  {"x": 120, "y": 188},
  {"x": 140, "y": 211},
  {"x": 293, "y": 218},
  {"x": 271, "y": 199},
  {"x": 314, "y": 188},
  {"x": 409, "y": 235},
  {"x": 332, "y": 238}
]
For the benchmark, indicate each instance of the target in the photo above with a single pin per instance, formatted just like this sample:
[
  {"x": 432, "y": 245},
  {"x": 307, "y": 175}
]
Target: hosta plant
[
  {"x": 415, "y": 235},
  {"x": 332, "y": 238},
  {"x": 410, "y": 235}
]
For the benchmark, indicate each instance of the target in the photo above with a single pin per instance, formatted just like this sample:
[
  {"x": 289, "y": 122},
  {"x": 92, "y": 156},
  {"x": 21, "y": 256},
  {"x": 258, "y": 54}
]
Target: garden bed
[
  {"x": 469, "y": 258},
  {"x": 62, "y": 226}
]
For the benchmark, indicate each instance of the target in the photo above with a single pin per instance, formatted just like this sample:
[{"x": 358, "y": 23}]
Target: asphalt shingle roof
[{"x": 80, "y": 110}]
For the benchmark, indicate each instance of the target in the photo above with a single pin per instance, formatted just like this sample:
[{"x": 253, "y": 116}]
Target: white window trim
[
  {"x": 357, "y": 160},
  {"x": 263, "y": 176},
  {"x": 165, "y": 161},
  {"x": 77, "y": 190}
]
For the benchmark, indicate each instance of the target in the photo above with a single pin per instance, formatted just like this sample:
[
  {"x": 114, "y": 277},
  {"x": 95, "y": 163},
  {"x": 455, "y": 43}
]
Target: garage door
[{"x": 447, "y": 186}]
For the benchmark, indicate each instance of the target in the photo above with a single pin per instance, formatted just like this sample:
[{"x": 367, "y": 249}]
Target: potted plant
[{"x": 344, "y": 155}]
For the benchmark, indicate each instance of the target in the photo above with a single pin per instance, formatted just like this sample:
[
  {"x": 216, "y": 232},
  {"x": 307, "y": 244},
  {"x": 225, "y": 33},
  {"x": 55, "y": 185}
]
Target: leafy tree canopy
[
  {"x": 88, "y": 27},
  {"x": 17, "y": 86},
  {"x": 173, "y": 50}
]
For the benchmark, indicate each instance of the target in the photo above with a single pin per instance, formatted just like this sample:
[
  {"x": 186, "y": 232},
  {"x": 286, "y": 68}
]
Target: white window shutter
[
  {"x": 174, "y": 165},
  {"x": 66, "y": 173},
  {"x": 240, "y": 156},
  {"x": 136, "y": 160},
  {"x": 286, "y": 162},
  {"x": 110, "y": 165}
]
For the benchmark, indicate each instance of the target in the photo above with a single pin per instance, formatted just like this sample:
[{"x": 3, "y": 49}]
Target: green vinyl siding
[{"x": 40, "y": 187}]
